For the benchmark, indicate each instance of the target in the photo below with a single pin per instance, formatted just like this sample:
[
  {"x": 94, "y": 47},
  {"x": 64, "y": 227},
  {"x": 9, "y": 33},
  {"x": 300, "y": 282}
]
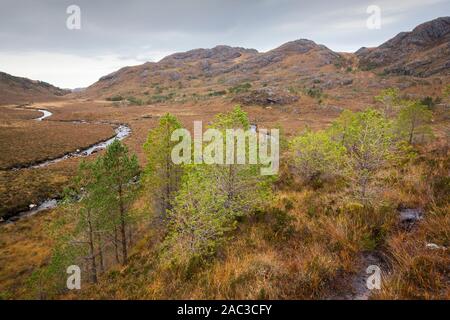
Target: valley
[{"x": 312, "y": 238}]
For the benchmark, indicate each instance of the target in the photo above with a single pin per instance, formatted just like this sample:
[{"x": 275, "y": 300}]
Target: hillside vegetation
[{"x": 225, "y": 231}]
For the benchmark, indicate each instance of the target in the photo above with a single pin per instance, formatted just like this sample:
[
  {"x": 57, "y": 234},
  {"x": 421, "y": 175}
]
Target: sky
[{"x": 36, "y": 43}]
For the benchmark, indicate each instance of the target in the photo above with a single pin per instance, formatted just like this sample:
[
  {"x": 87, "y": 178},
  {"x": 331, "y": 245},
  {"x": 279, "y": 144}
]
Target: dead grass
[
  {"x": 24, "y": 247},
  {"x": 8, "y": 114},
  {"x": 26, "y": 143},
  {"x": 301, "y": 248}
]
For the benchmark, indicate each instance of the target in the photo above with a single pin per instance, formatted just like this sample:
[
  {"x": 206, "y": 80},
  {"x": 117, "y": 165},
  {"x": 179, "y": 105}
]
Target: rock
[
  {"x": 346, "y": 82},
  {"x": 434, "y": 246},
  {"x": 410, "y": 215},
  {"x": 266, "y": 96},
  {"x": 422, "y": 52}
]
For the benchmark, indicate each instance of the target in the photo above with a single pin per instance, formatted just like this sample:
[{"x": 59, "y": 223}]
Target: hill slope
[
  {"x": 423, "y": 52},
  {"x": 214, "y": 70},
  {"x": 22, "y": 90},
  {"x": 299, "y": 65}
]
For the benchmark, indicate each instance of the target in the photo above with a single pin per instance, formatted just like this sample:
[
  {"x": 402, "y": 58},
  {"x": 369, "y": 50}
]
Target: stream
[
  {"x": 122, "y": 131},
  {"x": 46, "y": 114}
]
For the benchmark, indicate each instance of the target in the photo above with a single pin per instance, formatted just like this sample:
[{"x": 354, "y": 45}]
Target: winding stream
[
  {"x": 122, "y": 131},
  {"x": 46, "y": 114}
]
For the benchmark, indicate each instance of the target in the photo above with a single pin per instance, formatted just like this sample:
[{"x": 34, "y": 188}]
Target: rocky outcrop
[
  {"x": 422, "y": 52},
  {"x": 266, "y": 97}
]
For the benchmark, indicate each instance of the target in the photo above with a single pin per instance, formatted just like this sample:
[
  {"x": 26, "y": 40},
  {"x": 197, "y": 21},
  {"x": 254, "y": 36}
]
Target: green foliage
[
  {"x": 159, "y": 98},
  {"x": 355, "y": 147},
  {"x": 236, "y": 119},
  {"x": 389, "y": 99},
  {"x": 115, "y": 98},
  {"x": 161, "y": 179},
  {"x": 430, "y": 102},
  {"x": 314, "y": 92},
  {"x": 217, "y": 93},
  {"x": 211, "y": 200},
  {"x": 369, "y": 142},
  {"x": 135, "y": 101},
  {"x": 95, "y": 213},
  {"x": 315, "y": 154},
  {"x": 413, "y": 120},
  {"x": 446, "y": 91},
  {"x": 243, "y": 87}
]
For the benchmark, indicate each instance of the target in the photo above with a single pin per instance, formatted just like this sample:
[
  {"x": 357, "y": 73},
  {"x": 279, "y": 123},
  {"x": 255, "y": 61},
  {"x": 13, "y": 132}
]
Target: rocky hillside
[
  {"x": 213, "y": 71},
  {"x": 423, "y": 52},
  {"x": 279, "y": 76},
  {"x": 22, "y": 90}
]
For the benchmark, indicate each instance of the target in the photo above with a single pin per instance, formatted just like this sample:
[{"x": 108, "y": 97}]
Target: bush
[
  {"x": 315, "y": 155},
  {"x": 217, "y": 93},
  {"x": 314, "y": 92},
  {"x": 158, "y": 98},
  {"x": 135, "y": 101},
  {"x": 115, "y": 98},
  {"x": 244, "y": 87}
]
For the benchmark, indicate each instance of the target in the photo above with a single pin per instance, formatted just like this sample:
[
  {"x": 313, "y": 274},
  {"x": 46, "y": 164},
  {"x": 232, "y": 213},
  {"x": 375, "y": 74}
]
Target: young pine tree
[
  {"x": 369, "y": 144},
  {"x": 314, "y": 155},
  {"x": 390, "y": 100},
  {"x": 413, "y": 120},
  {"x": 119, "y": 169},
  {"x": 162, "y": 175},
  {"x": 211, "y": 198}
]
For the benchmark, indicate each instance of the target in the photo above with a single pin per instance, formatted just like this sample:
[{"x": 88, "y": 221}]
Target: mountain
[
  {"x": 22, "y": 90},
  {"x": 423, "y": 52},
  {"x": 214, "y": 70},
  {"x": 272, "y": 77}
]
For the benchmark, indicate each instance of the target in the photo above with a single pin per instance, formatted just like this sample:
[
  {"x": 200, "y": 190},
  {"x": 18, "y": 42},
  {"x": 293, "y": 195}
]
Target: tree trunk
[
  {"x": 92, "y": 249},
  {"x": 100, "y": 252},
  {"x": 123, "y": 228},
  {"x": 116, "y": 247},
  {"x": 411, "y": 133}
]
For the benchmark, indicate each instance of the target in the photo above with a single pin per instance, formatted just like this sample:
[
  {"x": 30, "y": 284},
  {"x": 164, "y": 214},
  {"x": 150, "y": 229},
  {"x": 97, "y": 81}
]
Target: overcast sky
[{"x": 36, "y": 43}]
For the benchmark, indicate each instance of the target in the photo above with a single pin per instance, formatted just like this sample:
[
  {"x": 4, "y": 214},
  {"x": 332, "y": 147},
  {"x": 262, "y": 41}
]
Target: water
[
  {"x": 46, "y": 205},
  {"x": 46, "y": 114},
  {"x": 122, "y": 132}
]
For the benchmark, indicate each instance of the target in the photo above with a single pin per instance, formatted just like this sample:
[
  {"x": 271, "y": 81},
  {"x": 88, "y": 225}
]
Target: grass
[
  {"x": 305, "y": 245},
  {"x": 24, "y": 246},
  {"x": 308, "y": 245},
  {"x": 38, "y": 141},
  {"x": 20, "y": 188}
]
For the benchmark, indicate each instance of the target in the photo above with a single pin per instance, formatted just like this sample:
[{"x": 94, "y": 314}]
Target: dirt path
[{"x": 354, "y": 287}]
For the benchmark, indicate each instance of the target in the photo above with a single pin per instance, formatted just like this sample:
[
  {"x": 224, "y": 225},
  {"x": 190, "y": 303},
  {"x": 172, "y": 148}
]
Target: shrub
[
  {"x": 315, "y": 155},
  {"x": 115, "y": 98},
  {"x": 135, "y": 101},
  {"x": 244, "y": 87}
]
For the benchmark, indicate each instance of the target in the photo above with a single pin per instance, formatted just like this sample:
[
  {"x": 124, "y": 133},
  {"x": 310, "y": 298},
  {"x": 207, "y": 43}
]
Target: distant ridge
[{"x": 22, "y": 90}]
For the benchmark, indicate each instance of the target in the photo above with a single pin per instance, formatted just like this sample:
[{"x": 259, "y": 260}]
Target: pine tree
[
  {"x": 369, "y": 144},
  {"x": 314, "y": 155},
  {"x": 162, "y": 175},
  {"x": 390, "y": 100},
  {"x": 119, "y": 169},
  {"x": 413, "y": 119},
  {"x": 212, "y": 197}
]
